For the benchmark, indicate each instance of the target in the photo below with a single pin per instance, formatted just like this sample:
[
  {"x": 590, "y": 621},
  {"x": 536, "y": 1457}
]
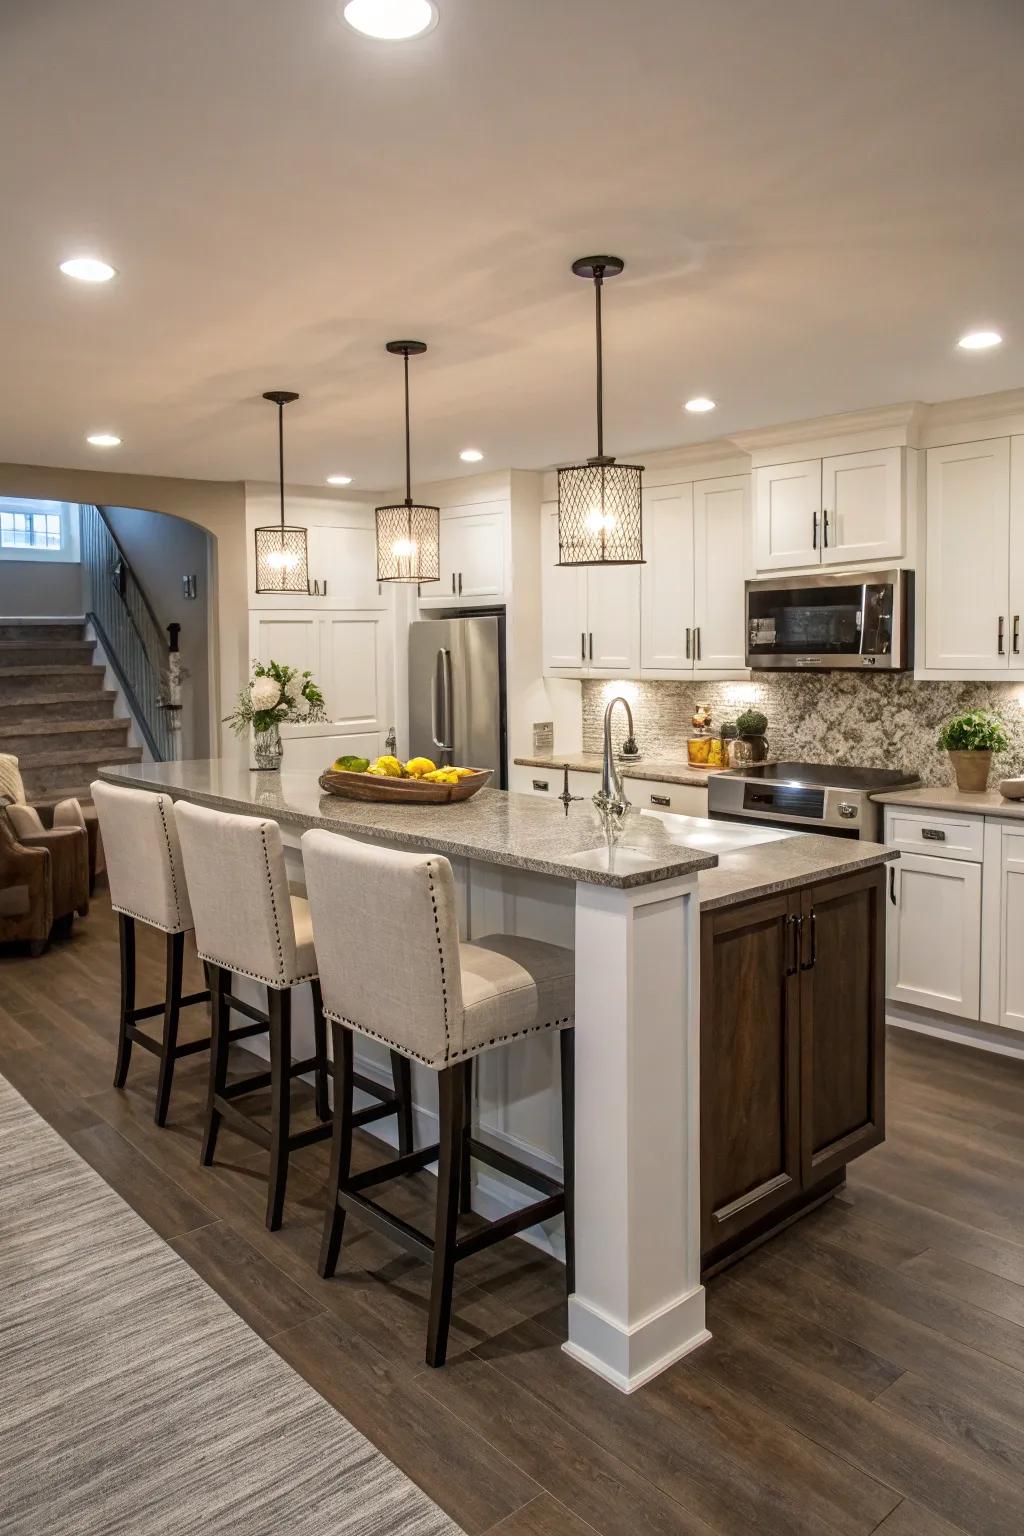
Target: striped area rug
[{"x": 133, "y": 1400}]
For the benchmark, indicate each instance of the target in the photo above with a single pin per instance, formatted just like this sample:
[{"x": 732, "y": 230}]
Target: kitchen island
[{"x": 631, "y": 911}]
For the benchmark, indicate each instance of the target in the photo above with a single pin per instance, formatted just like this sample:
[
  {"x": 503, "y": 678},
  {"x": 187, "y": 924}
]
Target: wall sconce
[{"x": 190, "y": 588}]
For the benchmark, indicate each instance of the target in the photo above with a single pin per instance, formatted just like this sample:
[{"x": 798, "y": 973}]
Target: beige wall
[{"x": 216, "y": 505}]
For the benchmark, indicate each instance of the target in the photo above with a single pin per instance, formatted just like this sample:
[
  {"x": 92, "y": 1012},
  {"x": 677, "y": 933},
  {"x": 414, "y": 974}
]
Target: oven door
[{"x": 835, "y": 621}]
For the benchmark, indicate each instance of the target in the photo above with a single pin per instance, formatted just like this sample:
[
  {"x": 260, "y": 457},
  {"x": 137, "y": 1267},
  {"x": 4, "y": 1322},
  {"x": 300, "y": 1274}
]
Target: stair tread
[
  {"x": 105, "y": 695},
  {"x": 81, "y": 755},
  {"x": 48, "y": 727},
  {"x": 49, "y": 670},
  {"x": 47, "y": 642}
]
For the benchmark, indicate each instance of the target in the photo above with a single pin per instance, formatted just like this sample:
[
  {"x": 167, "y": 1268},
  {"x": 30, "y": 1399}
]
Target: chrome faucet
[{"x": 611, "y": 797}]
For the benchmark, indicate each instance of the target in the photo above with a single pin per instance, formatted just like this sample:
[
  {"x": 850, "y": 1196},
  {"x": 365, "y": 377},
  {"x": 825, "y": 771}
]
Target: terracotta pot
[{"x": 972, "y": 770}]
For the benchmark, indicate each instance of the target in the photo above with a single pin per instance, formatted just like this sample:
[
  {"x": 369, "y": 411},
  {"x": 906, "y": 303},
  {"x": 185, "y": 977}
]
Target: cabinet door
[
  {"x": 356, "y": 681},
  {"x": 674, "y": 799},
  {"x": 345, "y": 559},
  {"x": 292, "y": 638},
  {"x": 1011, "y": 927},
  {"x": 666, "y": 585},
  {"x": 749, "y": 1068},
  {"x": 564, "y": 602},
  {"x": 613, "y": 619},
  {"x": 862, "y": 506},
  {"x": 934, "y": 934},
  {"x": 842, "y": 1021},
  {"x": 472, "y": 557},
  {"x": 719, "y": 545},
  {"x": 1015, "y": 644},
  {"x": 787, "y": 514},
  {"x": 968, "y": 529}
]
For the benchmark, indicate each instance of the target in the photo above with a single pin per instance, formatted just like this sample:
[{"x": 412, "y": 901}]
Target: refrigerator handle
[{"x": 442, "y": 679}]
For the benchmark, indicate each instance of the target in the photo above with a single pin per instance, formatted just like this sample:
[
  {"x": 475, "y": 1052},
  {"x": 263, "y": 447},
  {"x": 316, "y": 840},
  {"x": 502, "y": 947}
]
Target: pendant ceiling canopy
[
  {"x": 282, "y": 561},
  {"x": 408, "y": 535},
  {"x": 600, "y": 503}
]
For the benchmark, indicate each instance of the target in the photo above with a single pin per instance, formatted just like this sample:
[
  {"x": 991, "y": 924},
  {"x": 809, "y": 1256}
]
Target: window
[
  {"x": 30, "y": 530},
  {"x": 38, "y": 530}
]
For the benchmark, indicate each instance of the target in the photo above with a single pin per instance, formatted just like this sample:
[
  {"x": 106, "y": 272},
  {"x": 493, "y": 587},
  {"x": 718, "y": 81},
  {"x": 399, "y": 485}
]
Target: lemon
[
  {"x": 389, "y": 767},
  {"x": 420, "y": 767},
  {"x": 463, "y": 773}
]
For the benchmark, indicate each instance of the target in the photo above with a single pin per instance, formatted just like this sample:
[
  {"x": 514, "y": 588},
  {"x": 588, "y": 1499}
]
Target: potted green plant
[
  {"x": 970, "y": 739},
  {"x": 751, "y": 725}
]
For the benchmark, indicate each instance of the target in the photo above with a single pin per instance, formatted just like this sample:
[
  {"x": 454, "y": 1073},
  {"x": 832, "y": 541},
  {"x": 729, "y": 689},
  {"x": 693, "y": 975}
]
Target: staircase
[{"x": 56, "y": 717}]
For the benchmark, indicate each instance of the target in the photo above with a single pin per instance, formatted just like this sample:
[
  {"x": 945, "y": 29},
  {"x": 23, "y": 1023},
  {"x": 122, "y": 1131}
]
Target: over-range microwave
[{"x": 843, "y": 619}]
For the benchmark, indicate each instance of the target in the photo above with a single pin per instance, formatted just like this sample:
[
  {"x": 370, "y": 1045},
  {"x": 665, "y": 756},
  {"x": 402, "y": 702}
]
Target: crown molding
[
  {"x": 1002, "y": 402},
  {"x": 909, "y": 416}
]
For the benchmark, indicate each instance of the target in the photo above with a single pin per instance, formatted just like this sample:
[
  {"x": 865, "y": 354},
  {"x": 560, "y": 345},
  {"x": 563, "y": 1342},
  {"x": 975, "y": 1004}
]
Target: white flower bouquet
[{"x": 276, "y": 694}]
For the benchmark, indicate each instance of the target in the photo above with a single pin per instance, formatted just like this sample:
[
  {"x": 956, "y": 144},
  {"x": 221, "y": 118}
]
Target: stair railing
[{"x": 130, "y": 634}]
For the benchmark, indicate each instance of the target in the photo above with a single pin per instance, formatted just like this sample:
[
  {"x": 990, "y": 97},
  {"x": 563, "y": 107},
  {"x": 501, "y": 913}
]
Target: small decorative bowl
[{"x": 1012, "y": 789}]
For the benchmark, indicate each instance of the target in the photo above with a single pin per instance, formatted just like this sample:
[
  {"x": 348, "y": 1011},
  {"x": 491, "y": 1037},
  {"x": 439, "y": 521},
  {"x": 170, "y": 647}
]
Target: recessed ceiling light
[
  {"x": 700, "y": 403},
  {"x": 88, "y": 269},
  {"x": 978, "y": 341},
  {"x": 339, "y": 479},
  {"x": 471, "y": 455},
  {"x": 392, "y": 20},
  {"x": 103, "y": 440}
]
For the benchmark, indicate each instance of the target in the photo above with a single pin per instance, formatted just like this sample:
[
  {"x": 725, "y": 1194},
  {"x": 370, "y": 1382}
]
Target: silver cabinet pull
[
  {"x": 814, "y": 530},
  {"x": 698, "y": 644},
  {"x": 1000, "y": 636},
  {"x": 1016, "y": 634},
  {"x": 688, "y": 632},
  {"x": 933, "y": 834},
  {"x": 660, "y": 800},
  {"x": 541, "y": 784}
]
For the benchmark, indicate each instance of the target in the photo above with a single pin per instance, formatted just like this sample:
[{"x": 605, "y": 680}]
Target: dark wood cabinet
[{"x": 792, "y": 1053}]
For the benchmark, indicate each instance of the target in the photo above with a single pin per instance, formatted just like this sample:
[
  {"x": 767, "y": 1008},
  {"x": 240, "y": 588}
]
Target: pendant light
[
  {"x": 408, "y": 536},
  {"x": 600, "y": 520},
  {"x": 282, "y": 563}
]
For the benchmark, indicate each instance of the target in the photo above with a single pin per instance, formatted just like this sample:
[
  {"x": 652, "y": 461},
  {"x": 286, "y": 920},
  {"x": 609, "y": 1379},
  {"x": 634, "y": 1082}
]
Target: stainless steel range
[{"x": 807, "y": 797}]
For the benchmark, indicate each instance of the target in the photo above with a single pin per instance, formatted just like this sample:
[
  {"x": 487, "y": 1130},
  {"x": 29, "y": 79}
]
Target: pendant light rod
[
  {"x": 407, "y": 349},
  {"x": 595, "y": 269},
  {"x": 280, "y": 398}
]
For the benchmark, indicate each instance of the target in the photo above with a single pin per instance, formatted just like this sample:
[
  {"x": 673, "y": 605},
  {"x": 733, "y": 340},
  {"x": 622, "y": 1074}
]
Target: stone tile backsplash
[{"x": 882, "y": 721}]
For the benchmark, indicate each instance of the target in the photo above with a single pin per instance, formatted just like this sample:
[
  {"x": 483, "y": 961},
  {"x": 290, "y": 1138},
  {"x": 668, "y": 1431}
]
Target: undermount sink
[{"x": 715, "y": 836}]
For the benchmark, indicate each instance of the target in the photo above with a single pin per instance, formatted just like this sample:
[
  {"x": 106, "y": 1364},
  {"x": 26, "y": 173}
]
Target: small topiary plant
[
  {"x": 752, "y": 723},
  {"x": 978, "y": 730}
]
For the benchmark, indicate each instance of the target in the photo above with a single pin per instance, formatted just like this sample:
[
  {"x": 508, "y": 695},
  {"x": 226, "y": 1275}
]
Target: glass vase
[{"x": 267, "y": 749}]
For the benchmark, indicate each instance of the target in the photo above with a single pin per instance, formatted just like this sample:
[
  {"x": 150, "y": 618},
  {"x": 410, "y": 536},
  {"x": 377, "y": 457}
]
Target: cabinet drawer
[
  {"x": 548, "y": 781},
  {"x": 941, "y": 835},
  {"x": 683, "y": 799}
]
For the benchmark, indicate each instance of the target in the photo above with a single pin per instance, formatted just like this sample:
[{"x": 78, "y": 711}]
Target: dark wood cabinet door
[
  {"x": 750, "y": 1066},
  {"x": 842, "y": 1021}
]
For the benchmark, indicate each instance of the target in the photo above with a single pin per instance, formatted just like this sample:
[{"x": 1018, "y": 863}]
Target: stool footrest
[
  {"x": 250, "y": 1012},
  {"x": 156, "y": 1010},
  {"x": 508, "y": 1226},
  {"x": 521, "y": 1172},
  {"x": 307, "y": 1138},
  {"x": 240, "y": 1121},
  {"x": 373, "y": 1088},
  {"x": 412, "y": 1162},
  {"x": 408, "y": 1237},
  {"x": 372, "y": 1112}
]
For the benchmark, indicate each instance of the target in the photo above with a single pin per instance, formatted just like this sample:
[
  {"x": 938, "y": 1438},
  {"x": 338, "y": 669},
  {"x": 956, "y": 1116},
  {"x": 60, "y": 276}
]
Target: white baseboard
[{"x": 980, "y": 1037}]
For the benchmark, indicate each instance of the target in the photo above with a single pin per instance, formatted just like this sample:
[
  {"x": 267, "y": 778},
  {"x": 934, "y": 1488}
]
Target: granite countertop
[
  {"x": 660, "y": 770},
  {"x": 520, "y": 831},
  {"x": 743, "y": 874},
  {"x": 986, "y": 802}
]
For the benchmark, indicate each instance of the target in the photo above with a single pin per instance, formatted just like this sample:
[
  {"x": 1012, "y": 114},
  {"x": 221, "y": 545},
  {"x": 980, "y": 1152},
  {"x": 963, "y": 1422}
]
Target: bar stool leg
[
  {"x": 401, "y": 1075},
  {"x": 452, "y": 1106},
  {"x": 126, "y": 938},
  {"x": 279, "y": 1007},
  {"x": 220, "y": 1013},
  {"x": 567, "y": 1048},
  {"x": 172, "y": 1009},
  {"x": 341, "y": 1149},
  {"x": 465, "y": 1161},
  {"x": 323, "y": 1106}
]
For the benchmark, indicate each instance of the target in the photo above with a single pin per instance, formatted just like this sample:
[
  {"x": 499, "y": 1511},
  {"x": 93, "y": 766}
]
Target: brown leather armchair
[
  {"x": 26, "y": 819},
  {"x": 44, "y": 881}
]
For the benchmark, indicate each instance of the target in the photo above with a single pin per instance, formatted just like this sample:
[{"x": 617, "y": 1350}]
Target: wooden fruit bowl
[{"x": 367, "y": 786}]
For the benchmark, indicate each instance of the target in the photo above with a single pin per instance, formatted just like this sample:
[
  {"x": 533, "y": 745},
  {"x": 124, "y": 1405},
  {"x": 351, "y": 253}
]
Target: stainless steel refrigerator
[{"x": 457, "y": 692}]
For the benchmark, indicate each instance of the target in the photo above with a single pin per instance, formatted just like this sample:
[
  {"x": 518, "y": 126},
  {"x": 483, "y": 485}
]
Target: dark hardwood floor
[{"x": 866, "y": 1371}]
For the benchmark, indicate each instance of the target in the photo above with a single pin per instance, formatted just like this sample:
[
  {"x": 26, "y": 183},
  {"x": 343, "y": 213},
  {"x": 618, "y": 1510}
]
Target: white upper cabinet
[
  {"x": 787, "y": 513},
  {"x": 667, "y": 580},
  {"x": 345, "y": 559},
  {"x": 843, "y": 510},
  {"x": 472, "y": 559},
  {"x": 862, "y": 503},
  {"x": 969, "y": 621},
  {"x": 719, "y": 569},
  {"x": 591, "y": 614}
]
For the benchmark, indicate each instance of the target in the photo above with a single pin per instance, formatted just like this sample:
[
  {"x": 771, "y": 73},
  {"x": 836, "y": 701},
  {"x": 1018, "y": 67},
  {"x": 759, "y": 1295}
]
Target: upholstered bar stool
[
  {"x": 147, "y": 885},
  {"x": 392, "y": 968},
  {"x": 248, "y": 923}
]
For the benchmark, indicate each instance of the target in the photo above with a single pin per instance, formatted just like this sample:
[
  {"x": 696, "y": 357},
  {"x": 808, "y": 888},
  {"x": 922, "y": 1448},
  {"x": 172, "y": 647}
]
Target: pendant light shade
[
  {"x": 282, "y": 561},
  {"x": 600, "y": 503},
  {"x": 408, "y": 535}
]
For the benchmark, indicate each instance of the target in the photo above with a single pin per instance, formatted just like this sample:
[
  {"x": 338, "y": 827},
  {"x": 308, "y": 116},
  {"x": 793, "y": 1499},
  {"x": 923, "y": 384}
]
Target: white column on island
[{"x": 639, "y": 1302}]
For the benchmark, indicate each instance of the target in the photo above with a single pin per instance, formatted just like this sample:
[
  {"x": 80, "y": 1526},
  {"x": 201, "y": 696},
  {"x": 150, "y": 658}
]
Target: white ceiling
[{"x": 813, "y": 197}]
